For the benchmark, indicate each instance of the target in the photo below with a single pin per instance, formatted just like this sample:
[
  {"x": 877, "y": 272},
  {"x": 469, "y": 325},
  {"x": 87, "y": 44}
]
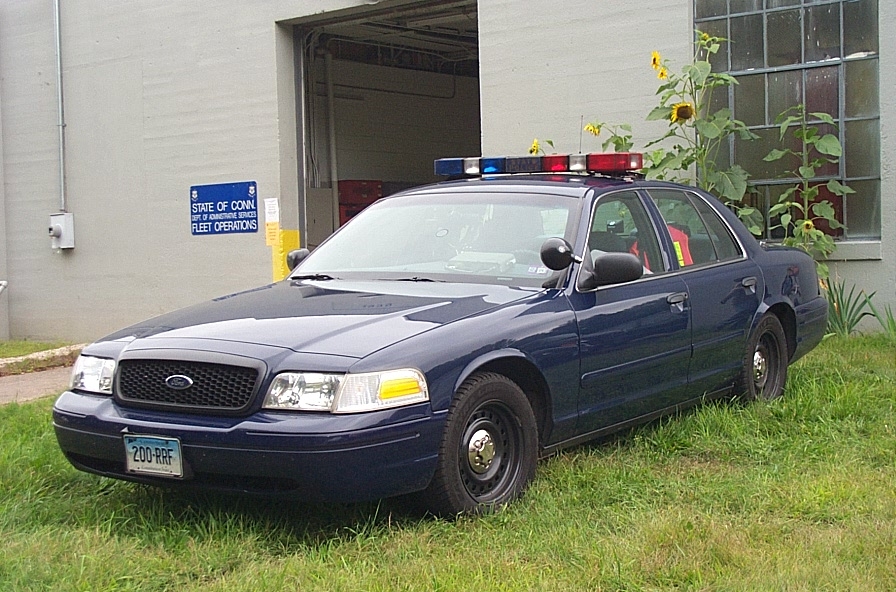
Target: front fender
[{"x": 485, "y": 359}]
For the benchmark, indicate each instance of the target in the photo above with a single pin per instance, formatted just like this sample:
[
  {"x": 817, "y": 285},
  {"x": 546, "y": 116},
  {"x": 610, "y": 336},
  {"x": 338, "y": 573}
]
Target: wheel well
[
  {"x": 530, "y": 380},
  {"x": 787, "y": 318}
]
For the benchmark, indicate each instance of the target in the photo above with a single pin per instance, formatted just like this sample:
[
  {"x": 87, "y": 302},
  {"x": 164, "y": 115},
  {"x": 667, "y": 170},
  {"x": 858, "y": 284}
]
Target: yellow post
[{"x": 285, "y": 241}]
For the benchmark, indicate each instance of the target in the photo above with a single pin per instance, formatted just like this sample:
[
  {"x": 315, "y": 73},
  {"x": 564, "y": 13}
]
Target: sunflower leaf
[
  {"x": 752, "y": 219},
  {"x": 835, "y": 187},
  {"x": 775, "y": 154},
  {"x": 731, "y": 185},
  {"x": 824, "y": 209},
  {"x": 658, "y": 113},
  {"x": 698, "y": 72},
  {"x": 709, "y": 128},
  {"x": 785, "y": 124},
  {"x": 829, "y": 144},
  {"x": 778, "y": 208},
  {"x": 825, "y": 117},
  {"x": 785, "y": 197}
]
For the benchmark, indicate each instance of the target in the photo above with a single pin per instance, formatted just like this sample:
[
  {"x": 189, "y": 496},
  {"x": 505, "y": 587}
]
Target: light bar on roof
[
  {"x": 615, "y": 161},
  {"x": 523, "y": 164},
  {"x": 490, "y": 166},
  {"x": 608, "y": 163},
  {"x": 555, "y": 163}
]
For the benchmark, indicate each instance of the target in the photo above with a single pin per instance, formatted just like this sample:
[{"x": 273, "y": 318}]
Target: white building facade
[{"x": 322, "y": 105}]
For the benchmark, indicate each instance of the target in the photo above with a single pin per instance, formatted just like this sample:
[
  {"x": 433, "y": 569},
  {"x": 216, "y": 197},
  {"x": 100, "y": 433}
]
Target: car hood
[{"x": 323, "y": 317}]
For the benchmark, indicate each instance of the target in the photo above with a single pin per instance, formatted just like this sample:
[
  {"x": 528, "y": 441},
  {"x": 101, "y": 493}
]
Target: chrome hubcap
[
  {"x": 481, "y": 451},
  {"x": 760, "y": 368}
]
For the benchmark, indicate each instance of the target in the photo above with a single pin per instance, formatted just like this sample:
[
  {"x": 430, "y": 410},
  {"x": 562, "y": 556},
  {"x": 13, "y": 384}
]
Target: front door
[{"x": 635, "y": 338}]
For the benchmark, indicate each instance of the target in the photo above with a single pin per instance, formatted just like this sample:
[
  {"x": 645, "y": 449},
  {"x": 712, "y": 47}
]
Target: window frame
[{"x": 767, "y": 186}]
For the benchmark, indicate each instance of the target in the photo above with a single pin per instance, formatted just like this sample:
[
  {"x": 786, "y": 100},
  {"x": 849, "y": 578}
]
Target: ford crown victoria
[{"x": 447, "y": 337}]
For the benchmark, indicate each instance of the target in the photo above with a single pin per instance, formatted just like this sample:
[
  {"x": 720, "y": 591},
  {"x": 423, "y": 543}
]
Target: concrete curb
[{"x": 41, "y": 360}]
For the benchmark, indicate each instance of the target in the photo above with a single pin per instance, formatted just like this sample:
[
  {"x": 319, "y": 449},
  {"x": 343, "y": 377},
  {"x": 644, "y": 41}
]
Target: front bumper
[{"x": 311, "y": 456}]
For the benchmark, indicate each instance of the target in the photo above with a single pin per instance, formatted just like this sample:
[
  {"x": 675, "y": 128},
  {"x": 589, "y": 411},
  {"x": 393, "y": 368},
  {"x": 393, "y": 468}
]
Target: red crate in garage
[{"x": 359, "y": 192}]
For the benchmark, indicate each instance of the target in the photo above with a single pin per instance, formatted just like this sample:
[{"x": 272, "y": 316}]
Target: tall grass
[
  {"x": 885, "y": 317},
  {"x": 795, "y": 494}
]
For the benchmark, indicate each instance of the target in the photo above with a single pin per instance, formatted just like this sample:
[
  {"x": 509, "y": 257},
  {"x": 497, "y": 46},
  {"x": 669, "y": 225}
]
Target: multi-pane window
[{"x": 819, "y": 53}]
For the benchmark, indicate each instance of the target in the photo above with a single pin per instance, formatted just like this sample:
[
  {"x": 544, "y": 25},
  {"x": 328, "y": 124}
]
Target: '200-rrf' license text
[{"x": 152, "y": 455}]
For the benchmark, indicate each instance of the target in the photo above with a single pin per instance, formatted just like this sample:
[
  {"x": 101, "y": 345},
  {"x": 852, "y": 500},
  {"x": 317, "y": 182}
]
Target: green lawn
[
  {"x": 16, "y": 348},
  {"x": 798, "y": 494}
]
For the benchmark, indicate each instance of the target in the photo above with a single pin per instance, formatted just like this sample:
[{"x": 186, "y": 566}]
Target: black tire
[
  {"x": 765, "y": 361},
  {"x": 489, "y": 448}
]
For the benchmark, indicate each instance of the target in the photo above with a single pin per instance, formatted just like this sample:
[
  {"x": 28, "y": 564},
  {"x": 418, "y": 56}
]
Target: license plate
[{"x": 152, "y": 455}]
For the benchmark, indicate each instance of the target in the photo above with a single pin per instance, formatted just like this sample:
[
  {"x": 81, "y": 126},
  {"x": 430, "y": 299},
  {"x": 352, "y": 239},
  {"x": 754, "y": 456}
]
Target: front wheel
[
  {"x": 489, "y": 449},
  {"x": 765, "y": 361}
]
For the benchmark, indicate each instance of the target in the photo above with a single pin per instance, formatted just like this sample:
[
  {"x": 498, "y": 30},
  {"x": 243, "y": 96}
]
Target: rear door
[{"x": 724, "y": 287}]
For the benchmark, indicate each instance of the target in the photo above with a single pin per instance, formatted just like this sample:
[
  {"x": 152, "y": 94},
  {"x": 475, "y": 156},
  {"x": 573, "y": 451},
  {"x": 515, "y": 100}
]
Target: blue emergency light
[{"x": 607, "y": 163}]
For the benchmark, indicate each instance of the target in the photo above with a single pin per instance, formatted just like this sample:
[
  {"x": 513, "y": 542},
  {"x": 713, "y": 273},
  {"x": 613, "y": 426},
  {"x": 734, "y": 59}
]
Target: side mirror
[
  {"x": 557, "y": 254},
  {"x": 293, "y": 258},
  {"x": 610, "y": 268}
]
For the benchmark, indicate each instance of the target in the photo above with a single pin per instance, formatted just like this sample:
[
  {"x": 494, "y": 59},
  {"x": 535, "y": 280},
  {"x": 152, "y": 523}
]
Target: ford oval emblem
[{"x": 179, "y": 382}]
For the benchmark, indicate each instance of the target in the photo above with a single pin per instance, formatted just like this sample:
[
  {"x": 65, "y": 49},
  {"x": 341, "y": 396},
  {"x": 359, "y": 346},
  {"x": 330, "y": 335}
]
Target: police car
[{"x": 447, "y": 337}]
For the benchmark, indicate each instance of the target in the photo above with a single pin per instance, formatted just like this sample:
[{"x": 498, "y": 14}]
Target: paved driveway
[{"x": 24, "y": 387}]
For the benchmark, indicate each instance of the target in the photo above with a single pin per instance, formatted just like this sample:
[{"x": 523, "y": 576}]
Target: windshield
[{"x": 458, "y": 237}]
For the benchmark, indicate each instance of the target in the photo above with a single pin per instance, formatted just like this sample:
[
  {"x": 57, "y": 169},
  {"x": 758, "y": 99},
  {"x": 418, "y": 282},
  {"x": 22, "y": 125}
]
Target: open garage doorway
[{"x": 386, "y": 89}]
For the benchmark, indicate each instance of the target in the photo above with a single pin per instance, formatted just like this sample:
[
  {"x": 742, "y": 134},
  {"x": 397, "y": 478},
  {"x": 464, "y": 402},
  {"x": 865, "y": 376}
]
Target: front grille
[{"x": 215, "y": 386}]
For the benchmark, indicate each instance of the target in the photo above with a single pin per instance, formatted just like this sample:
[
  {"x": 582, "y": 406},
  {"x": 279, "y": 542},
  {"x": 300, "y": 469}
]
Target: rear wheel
[
  {"x": 489, "y": 449},
  {"x": 765, "y": 361}
]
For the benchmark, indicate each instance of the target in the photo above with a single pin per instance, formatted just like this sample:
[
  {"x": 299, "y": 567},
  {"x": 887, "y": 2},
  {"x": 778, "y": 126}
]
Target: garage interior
[{"x": 387, "y": 88}]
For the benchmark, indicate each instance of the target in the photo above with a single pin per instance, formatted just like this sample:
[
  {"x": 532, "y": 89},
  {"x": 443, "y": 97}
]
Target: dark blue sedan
[{"x": 447, "y": 337}]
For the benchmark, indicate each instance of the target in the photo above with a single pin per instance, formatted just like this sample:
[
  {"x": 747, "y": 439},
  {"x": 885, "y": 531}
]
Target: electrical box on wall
[{"x": 62, "y": 230}]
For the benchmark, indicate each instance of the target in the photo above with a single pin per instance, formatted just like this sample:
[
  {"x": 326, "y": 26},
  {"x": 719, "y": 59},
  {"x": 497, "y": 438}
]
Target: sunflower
[
  {"x": 663, "y": 74},
  {"x": 682, "y": 112},
  {"x": 535, "y": 148},
  {"x": 704, "y": 36},
  {"x": 655, "y": 60},
  {"x": 808, "y": 226},
  {"x": 592, "y": 129}
]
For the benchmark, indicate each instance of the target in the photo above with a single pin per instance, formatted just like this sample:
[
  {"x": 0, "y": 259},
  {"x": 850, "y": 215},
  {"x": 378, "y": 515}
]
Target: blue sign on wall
[{"x": 224, "y": 208}]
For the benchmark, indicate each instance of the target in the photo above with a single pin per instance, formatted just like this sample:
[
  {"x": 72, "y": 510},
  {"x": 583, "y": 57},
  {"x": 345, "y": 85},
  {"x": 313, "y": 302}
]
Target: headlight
[
  {"x": 346, "y": 393},
  {"x": 93, "y": 374},
  {"x": 305, "y": 391}
]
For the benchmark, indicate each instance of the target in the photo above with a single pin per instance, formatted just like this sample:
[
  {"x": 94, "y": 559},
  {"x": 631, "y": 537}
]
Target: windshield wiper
[
  {"x": 321, "y": 277},
  {"x": 416, "y": 278}
]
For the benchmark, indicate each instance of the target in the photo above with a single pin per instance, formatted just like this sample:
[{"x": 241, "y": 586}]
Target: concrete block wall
[
  {"x": 548, "y": 67},
  {"x": 4, "y": 274},
  {"x": 158, "y": 97},
  {"x": 167, "y": 94}
]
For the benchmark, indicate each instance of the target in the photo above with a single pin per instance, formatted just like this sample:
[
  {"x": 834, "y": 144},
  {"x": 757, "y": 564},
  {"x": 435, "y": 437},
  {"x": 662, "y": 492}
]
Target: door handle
[
  {"x": 677, "y": 301},
  {"x": 749, "y": 284}
]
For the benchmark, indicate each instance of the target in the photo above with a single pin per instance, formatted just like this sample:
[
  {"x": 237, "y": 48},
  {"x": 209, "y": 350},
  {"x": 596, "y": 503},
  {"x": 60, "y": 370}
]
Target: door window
[
  {"x": 698, "y": 235},
  {"x": 620, "y": 224}
]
